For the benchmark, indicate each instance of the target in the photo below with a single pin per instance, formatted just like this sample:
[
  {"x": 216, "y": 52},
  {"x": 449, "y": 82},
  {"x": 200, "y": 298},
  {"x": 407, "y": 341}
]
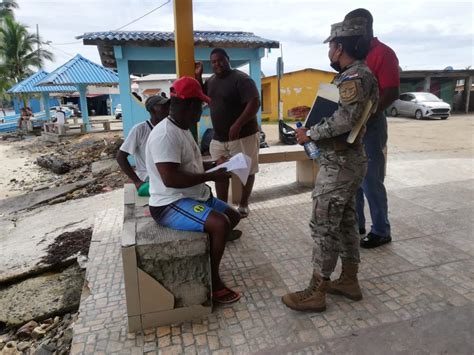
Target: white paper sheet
[{"x": 239, "y": 164}]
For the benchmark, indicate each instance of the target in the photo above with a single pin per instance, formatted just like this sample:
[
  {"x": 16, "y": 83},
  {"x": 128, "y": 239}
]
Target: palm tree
[
  {"x": 5, "y": 84},
  {"x": 20, "y": 51},
  {"x": 6, "y": 8}
]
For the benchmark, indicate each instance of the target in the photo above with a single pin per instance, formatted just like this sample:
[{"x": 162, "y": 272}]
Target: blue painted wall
[
  {"x": 154, "y": 60},
  {"x": 114, "y": 101},
  {"x": 34, "y": 104}
]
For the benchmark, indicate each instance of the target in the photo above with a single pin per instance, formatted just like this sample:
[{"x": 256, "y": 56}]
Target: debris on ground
[
  {"x": 53, "y": 163},
  {"x": 71, "y": 161},
  {"x": 68, "y": 245},
  {"x": 51, "y": 336}
]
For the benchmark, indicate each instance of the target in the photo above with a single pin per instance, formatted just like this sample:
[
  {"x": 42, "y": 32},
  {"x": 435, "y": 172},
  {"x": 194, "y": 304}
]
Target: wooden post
[
  {"x": 184, "y": 42},
  {"x": 184, "y": 37}
]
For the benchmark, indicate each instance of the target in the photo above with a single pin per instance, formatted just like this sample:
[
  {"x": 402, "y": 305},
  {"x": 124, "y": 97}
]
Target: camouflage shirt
[{"x": 356, "y": 86}]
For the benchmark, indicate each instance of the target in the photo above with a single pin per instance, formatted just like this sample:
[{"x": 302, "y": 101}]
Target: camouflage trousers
[{"x": 333, "y": 222}]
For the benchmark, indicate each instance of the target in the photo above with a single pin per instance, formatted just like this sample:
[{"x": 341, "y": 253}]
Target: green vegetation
[{"x": 20, "y": 50}]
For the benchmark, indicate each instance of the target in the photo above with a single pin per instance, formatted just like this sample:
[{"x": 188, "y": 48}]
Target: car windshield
[{"x": 426, "y": 97}]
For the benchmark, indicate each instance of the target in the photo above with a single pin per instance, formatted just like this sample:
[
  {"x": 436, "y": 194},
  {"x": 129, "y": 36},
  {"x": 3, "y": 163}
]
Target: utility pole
[
  {"x": 38, "y": 44},
  {"x": 280, "y": 71}
]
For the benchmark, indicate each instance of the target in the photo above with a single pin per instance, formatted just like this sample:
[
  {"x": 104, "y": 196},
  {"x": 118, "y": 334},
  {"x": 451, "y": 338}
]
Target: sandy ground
[
  {"x": 17, "y": 163},
  {"x": 410, "y": 135},
  {"x": 406, "y": 135}
]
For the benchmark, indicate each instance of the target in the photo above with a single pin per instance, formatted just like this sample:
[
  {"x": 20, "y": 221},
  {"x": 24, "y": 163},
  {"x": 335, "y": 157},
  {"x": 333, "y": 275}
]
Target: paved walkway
[{"x": 418, "y": 291}]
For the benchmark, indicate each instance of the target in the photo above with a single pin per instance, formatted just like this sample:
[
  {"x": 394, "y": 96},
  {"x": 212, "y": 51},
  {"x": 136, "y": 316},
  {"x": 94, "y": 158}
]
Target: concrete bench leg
[
  {"x": 61, "y": 129},
  {"x": 306, "y": 172},
  {"x": 106, "y": 126}
]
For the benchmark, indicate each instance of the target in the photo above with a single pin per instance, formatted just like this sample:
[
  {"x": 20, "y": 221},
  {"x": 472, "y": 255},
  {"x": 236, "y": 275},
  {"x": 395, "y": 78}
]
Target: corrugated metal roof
[
  {"x": 201, "y": 38},
  {"x": 28, "y": 85},
  {"x": 80, "y": 71}
]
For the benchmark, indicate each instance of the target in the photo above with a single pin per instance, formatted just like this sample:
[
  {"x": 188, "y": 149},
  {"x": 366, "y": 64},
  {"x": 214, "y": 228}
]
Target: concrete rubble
[
  {"x": 52, "y": 335},
  {"x": 42, "y": 296},
  {"x": 79, "y": 154}
]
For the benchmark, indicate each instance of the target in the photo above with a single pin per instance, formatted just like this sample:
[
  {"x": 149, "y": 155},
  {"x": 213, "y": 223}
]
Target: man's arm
[
  {"x": 174, "y": 177},
  {"x": 251, "y": 109},
  {"x": 209, "y": 164},
  {"x": 198, "y": 70},
  {"x": 352, "y": 101},
  {"x": 127, "y": 168}
]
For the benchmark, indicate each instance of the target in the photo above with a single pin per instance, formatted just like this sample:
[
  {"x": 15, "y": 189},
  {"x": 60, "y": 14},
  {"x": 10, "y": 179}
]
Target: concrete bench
[
  {"x": 306, "y": 169},
  {"x": 167, "y": 272},
  {"x": 105, "y": 123},
  {"x": 61, "y": 129}
]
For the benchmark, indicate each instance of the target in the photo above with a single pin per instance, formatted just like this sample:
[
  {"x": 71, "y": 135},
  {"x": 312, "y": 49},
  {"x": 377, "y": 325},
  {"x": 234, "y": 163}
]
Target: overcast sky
[{"x": 424, "y": 34}]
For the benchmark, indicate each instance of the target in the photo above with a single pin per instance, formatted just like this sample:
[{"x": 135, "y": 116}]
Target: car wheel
[
  {"x": 394, "y": 112},
  {"x": 418, "y": 114},
  {"x": 444, "y": 117}
]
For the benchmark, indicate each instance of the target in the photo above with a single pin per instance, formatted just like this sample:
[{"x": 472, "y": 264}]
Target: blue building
[{"x": 147, "y": 52}]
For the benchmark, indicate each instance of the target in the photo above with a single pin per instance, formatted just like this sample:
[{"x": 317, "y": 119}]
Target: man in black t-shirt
[{"x": 234, "y": 106}]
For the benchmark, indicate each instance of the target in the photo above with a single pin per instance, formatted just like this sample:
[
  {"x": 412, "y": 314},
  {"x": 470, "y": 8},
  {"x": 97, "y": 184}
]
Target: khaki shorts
[{"x": 248, "y": 145}]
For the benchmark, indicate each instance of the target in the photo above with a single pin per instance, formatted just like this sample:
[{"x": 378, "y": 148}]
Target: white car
[
  {"x": 419, "y": 105},
  {"x": 67, "y": 111}
]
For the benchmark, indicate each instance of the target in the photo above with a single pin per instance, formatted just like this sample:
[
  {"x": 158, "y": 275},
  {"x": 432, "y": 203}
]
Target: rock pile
[
  {"x": 51, "y": 336},
  {"x": 71, "y": 161}
]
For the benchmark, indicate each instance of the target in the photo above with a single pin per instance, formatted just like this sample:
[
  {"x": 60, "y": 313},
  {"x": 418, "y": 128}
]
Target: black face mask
[{"x": 335, "y": 65}]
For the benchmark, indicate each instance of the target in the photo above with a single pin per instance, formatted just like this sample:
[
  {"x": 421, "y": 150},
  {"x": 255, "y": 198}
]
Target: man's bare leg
[
  {"x": 218, "y": 227},
  {"x": 246, "y": 191},
  {"x": 222, "y": 190}
]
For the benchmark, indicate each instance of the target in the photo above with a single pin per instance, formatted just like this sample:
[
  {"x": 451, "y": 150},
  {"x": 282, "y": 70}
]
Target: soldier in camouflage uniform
[{"x": 342, "y": 167}]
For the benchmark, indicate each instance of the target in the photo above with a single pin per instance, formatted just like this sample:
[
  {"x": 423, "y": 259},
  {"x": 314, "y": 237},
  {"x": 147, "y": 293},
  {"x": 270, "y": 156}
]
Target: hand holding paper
[{"x": 239, "y": 164}]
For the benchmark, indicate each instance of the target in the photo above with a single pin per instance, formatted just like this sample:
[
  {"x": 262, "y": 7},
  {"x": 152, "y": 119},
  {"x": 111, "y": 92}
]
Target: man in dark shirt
[
  {"x": 383, "y": 62},
  {"x": 234, "y": 106}
]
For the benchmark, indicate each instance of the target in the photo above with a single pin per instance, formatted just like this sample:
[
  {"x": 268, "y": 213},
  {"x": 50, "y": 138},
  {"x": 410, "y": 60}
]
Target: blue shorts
[{"x": 187, "y": 214}]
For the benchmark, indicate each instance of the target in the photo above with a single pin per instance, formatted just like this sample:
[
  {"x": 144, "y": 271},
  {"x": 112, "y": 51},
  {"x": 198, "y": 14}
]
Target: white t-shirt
[
  {"x": 135, "y": 144},
  {"x": 170, "y": 144},
  {"x": 60, "y": 117}
]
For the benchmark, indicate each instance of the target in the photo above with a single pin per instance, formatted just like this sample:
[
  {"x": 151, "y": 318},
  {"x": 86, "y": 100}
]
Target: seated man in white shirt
[
  {"x": 60, "y": 116},
  {"x": 179, "y": 197},
  {"x": 135, "y": 143}
]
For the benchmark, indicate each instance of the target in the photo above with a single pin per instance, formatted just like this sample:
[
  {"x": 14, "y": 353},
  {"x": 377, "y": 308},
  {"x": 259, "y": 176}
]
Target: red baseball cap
[{"x": 188, "y": 88}]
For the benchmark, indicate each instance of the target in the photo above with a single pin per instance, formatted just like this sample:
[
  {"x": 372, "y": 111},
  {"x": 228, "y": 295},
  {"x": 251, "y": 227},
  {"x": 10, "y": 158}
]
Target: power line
[
  {"x": 139, "y": 18},
  {"x": 117, "y": 29},
  {"x": 59, "y": 49},
  {"x": 65, "y": 44}
]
